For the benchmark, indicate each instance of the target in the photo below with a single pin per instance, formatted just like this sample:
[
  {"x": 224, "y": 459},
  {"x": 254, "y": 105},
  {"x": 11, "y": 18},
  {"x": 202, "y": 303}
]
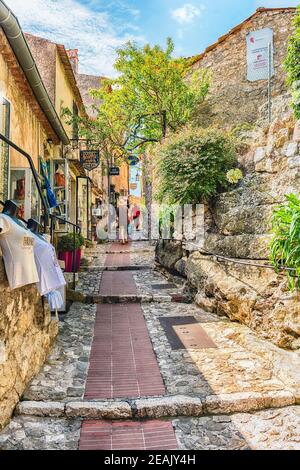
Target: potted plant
[{"x": 67, "y": 250}]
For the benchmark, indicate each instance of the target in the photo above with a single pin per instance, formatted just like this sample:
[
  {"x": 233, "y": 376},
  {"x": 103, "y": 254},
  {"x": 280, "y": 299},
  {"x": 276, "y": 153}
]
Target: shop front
[
  {"x": 24, "y": 193},
  {"x": 55, "y": 172}
]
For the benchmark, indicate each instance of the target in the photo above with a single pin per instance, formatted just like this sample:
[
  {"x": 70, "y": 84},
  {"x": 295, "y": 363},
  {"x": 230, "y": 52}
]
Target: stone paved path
[
  {"x": 122, "y": 361},
  {"x": 113, "y": 362},
  {"x": 108, "y": 435}
]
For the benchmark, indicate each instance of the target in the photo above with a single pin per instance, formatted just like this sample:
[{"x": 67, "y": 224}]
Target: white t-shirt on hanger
[
  {"x": 50, "y": 274},
  {"x": 17, "y": 247}
]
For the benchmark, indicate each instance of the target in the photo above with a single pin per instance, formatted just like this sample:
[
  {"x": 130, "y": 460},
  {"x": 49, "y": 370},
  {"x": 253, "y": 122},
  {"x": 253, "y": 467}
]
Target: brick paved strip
[
  {"x": 116, "y": 283},
  {"x": 117, "y": 259},
  {"x": 122, "y": 360},
  {"x": 128, "y": 435},
  {"x": 118, "y": 255},
  {"x": 116, "y": 246}
]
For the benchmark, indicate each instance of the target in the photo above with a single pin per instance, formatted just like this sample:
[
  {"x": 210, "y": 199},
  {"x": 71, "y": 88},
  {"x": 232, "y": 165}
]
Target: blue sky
[{"x": 98, "y": 27}]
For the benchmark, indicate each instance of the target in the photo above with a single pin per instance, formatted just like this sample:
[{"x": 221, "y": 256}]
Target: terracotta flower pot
[{"x": 67, "y": 257}]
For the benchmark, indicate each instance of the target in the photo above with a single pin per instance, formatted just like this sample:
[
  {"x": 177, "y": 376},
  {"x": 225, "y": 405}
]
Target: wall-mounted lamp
[{"x": 50, "y": 141}]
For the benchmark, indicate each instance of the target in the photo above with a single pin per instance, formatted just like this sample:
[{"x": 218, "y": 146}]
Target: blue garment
[{"x": 50, "y": 194}]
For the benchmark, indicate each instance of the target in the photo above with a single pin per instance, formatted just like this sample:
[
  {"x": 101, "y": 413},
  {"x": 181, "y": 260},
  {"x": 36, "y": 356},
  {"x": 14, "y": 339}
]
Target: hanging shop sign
[
  {"x": 133, "y": 160},
  {"x": 133, "y": 186},
  {"x": 260, "y": 54},
  {"x": 114, "y": 171},
  {"x": 90, "y": 159}
]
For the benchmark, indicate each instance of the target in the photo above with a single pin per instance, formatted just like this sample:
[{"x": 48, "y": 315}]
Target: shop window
[
  {"x": 60, "y": 187},
  {"x": 20, "y": 190},
  {"x": 4, "y": 148}
]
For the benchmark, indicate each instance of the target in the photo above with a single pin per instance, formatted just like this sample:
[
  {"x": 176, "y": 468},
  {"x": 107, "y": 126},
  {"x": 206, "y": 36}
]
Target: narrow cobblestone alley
[{"x": 142, "y": 368}]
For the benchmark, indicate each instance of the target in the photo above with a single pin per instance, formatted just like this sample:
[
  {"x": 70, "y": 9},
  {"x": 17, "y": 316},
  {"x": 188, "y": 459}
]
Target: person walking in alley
[
  {"x": 101, "y": 229},
  {"x": 136, "y": 214},
  {"x": 123, "y": 221}
]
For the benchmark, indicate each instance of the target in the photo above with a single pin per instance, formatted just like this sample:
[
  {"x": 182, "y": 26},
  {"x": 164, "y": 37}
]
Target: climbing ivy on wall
[{"x": 292, "y": 65}]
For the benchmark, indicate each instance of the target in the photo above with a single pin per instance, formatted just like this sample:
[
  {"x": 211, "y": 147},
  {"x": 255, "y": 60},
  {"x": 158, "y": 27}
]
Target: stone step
[
  {"x": 116, "y": 252},
  {"x": 125, "y": 299},
  {"x": 145, "y": 267},
  {"x": 80, "y": 297},
  {"x": 160, "y": 407}
]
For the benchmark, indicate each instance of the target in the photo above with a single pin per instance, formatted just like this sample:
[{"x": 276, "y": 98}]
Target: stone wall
[
  {"x": 239, "y": 228},
  {"x": 232, "y": 99},
  {"x": 26, "y": 335}
]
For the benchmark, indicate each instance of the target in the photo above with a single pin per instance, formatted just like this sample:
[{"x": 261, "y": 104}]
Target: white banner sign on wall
[{"x": 259, "y": 45}]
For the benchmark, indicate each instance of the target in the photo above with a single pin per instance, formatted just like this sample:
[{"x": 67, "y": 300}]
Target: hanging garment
[
  {"x": 55, "y": 300},
  {"x": 17, "y": 247},
  {"x": 50, "y": 274},
  {"x": 50, "y": 194}
]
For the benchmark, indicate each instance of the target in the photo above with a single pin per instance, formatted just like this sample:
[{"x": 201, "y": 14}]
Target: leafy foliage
[
  {"x": 192, "y": 165},
  {"x": 167, "y": 214},
  {"x": 150, "y": 84},
  {"x": 66, "y": 242},
  {"x": 292, "y": 65},
  {"x": 285, "y": 246},
  {"x": 234, "y": 176}
]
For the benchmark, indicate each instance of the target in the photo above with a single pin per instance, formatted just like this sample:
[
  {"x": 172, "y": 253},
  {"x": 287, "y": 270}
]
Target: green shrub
[
  {"x": 234, "y": 176},
  {"x": 66, "y": 242},
  {"x": 285, "y": 246},
  {"x": 84, "y": 262},
  {"x": 166, "y": 220},
  {"x": 292, "y": 65},
  {"x": 192, "y": 166},
  {"x": 88, "y": 244}
]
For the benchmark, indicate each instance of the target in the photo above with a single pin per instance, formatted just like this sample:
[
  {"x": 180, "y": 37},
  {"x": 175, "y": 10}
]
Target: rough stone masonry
[
  {"x": 26, "y": 335},
  {"x": 239, "y": 227},
  {"x": 234, "y": 100}
]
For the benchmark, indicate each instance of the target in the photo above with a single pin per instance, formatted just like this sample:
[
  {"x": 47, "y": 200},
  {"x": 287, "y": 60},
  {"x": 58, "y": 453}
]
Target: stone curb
[
  {"x": 127, "y": 299},
  {"x": 139, "y": 267},
  {"x": 94, "y": 410},
  {"x": 168, "y": 407},
  {"x": 39, "y": 408},
  {"x": 117, "y": 252},
  {"x": 247, "y": 402},
  {"x": 159, "y": 407},
  {"x": 80, "y": 297}
]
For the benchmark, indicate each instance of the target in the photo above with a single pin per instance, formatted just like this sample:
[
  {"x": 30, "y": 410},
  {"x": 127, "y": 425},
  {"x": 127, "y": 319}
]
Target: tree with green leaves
[
  {"x": 292, "y": 65},
  {"x": 150, "y": 96}
]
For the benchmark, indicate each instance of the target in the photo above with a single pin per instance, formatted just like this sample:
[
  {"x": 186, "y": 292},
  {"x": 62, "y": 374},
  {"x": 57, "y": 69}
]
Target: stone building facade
[
  {"x": 26, "y": 328},
  {"x": 60, "y": 80},
  {"x": 233, "y": 100},
  {"x": 86, "y": 83},
  {"x": 27, "y": 126}
]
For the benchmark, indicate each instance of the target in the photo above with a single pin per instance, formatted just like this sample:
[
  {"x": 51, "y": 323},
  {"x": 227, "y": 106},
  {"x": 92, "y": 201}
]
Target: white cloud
[
  {"x": 187, "y": 13},
  {"x": 77, "y": 26}
]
